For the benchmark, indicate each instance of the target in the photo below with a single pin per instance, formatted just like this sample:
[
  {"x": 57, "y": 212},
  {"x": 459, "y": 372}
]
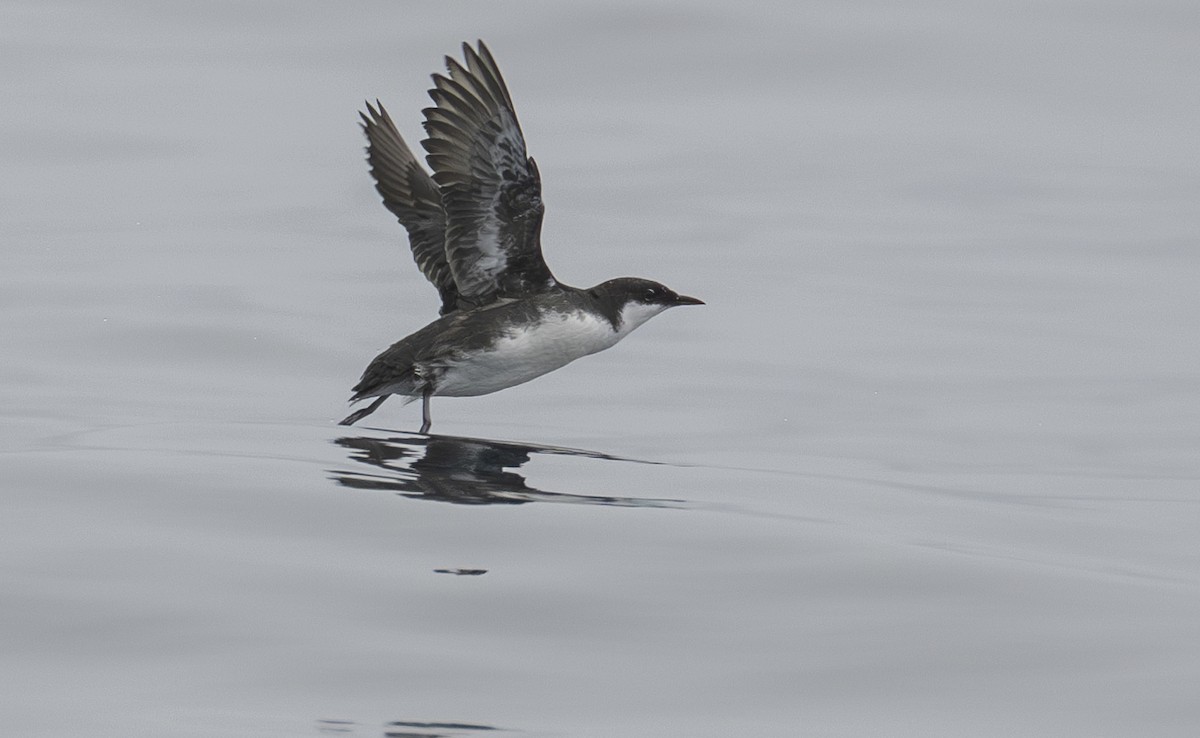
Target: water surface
[{"x": 925, "y": 464}]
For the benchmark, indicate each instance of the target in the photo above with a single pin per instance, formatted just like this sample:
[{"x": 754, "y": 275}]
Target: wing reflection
[{"x": 466, "y": 471}]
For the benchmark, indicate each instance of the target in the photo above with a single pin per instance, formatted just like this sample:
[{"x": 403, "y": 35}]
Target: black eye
[{"x": 652, "y": 294}]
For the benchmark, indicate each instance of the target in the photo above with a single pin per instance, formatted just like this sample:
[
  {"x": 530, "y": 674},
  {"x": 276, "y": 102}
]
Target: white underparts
[{"x": 528, "y": 352}]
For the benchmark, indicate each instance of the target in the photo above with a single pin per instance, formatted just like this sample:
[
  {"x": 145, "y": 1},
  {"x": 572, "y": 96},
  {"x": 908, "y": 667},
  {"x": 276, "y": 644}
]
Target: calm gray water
[{"x": 925, "y": 465}]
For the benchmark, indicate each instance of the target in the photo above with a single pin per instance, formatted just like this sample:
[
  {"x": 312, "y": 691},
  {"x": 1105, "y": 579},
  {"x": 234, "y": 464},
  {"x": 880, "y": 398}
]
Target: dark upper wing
[
  {"x": 411, "y": 195},
  {"x": 491, "y": 190}
]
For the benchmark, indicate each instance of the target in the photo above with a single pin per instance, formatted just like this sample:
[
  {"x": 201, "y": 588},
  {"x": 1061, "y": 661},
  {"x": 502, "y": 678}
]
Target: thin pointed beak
[{"x": 685, "y": 300}]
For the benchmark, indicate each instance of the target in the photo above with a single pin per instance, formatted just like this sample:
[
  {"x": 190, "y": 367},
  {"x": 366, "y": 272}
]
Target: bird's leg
[
  {"x": 426, "y": 420},
  {"x": 361, "y": 413}
]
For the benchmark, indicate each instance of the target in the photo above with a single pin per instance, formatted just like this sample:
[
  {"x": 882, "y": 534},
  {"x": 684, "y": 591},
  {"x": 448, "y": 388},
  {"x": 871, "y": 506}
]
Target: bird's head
[{"x": 633, "y": 301}]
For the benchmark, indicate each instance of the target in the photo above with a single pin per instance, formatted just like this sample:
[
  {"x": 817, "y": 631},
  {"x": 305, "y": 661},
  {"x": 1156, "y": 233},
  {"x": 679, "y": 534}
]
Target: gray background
[{"x": 927, "y": 459}]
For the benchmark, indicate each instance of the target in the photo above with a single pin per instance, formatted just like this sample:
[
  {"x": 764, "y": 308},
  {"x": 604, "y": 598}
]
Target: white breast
[{"x": 526, "y": 353}]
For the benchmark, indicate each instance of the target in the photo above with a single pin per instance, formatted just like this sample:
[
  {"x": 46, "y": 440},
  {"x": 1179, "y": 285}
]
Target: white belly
[{"x": 526, "y": 354}]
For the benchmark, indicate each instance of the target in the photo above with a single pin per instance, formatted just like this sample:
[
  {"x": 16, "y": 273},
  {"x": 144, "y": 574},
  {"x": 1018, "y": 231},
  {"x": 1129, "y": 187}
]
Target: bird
[{"x": 474, "y": 228}]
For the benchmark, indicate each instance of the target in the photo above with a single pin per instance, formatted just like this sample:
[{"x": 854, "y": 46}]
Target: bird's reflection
[
  {"x": 407, "y": 729},
  {"x": 467, "y": 471}
]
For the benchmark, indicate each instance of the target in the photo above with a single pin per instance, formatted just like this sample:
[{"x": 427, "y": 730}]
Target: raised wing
[
  {"x": 413, "y": 197},
  {"x": 491, "y": 191}
]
